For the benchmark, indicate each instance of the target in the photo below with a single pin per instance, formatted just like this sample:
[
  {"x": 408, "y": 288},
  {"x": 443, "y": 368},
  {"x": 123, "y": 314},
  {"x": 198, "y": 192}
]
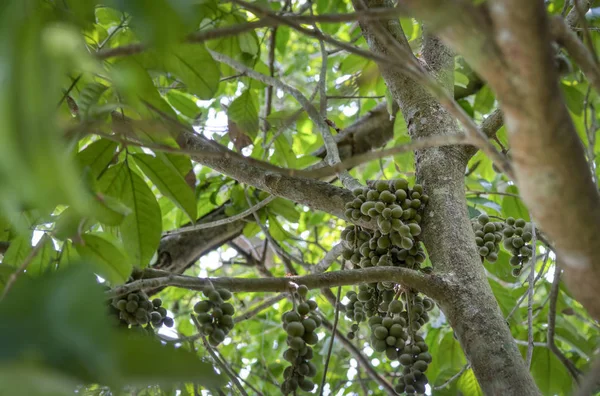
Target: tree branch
[
  {"x": 554, "y": 290},
  {"x": 268, "y": 302},
  {"x": 329, "y": 259},
  {"x": 431, "y": 285},
  {"x": 582, "y": 56},
  {"x": 333, "y": 156},
  {"x": 360, "y": 358},
  {"x": 226, "y": 31}
]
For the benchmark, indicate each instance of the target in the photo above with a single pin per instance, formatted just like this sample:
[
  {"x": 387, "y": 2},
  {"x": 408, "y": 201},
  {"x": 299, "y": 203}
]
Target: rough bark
[
  {"x": 471, "y": 307},
  {"x": 550, "y": 164},
  {"x": 549, "y": 159}
]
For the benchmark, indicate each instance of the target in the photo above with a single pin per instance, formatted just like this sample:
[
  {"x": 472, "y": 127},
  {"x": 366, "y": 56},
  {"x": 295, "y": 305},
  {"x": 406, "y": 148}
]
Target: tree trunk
[{"x": 471, "y": 307}]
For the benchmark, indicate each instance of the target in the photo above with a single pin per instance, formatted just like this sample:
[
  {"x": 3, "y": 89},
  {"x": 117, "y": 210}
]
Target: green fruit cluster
[
  {"x": 215, "y": 315},
  {"x": 395, "y": 208},
  {"x": 416, "y": 310},
  {"x": 518, "y": 236},
  {"x": 488, "y": 236},
  {"x": 371, "y": 300},
  {"x": 397, "y": 211},
  {"x": 300, "y": 324},
  {"x": 389, "y": 335},
  {"x": 415, "y": 359},
  {"x": 375, "y": 249},
  {"x": 135, "y": 309}
]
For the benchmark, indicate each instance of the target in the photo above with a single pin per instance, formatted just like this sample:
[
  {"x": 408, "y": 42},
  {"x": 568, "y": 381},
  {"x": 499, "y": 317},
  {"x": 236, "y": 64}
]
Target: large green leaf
[
  {"x": 110, "y": 260},
  {"x": 244, "y": 112},
  {"x": 45, "y": 259},
  {"x": 285, "y": 208},
  {"x": 65, "y": 334},
  {"x": 19, "y": 249},
  {"x": 196, "y": 68},
  {"x": 468, "y": 385},
  {"x": 512, "y": 206},
  {"x": 484, "y": 100},
  {"x": 549, "y": 373},
  {"x": 137, "y": 88},
  {"x": 183, "y": 103},
  {"x": 35, "y": 165},
  {"x": 97, "y": 156},
  {"x": 448, "y": 357},
  {"x": 140, "y": 230},
  {"x": 169, "y": 182}
]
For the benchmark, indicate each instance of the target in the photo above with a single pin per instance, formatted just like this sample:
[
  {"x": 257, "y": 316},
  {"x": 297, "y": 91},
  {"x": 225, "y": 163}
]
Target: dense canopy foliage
[{"x": 193, "y": 155}]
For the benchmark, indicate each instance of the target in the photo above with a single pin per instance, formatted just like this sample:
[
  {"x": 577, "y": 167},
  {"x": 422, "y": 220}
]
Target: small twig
[
  {"x": 221, "y": 363},
  {"x": 260, "y": 307},
  {"x": 333, "y": 156},
  {"x": 228, "y": 220},
  {"x": 13, "y": 277},
  {"x": 452, "y": 379},
  {"x": 354, "y": 97},
  {"x": 524, "y": 295},
  {"x": 68, "y": 91},
  {"x": 333, "y": 333},
  {"x": 530, "y": 287},
  {"x": 329, "y": 258},
  {"x": 554, "y": 290},
  {"x": 493, "y": 193},
  {"x": 582, "y": 55},
  {"x": 360, "y": 358},
  {"x": 285, "y": 257}
]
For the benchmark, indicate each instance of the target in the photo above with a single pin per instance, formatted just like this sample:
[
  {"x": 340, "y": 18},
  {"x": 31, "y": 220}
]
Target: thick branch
[
  {"x": 471, "y": 307},
  {"x": 548, "y": 155}
]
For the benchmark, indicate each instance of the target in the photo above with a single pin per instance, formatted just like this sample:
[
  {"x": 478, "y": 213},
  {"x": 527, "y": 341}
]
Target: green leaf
[
  {"x": 169, "y": 182},
  {"x": 573, "y": 97},
  {"x": 66, "y": 330},
  {"x": 32, "y": 380},
  {"x": 137, "y": 88},
  {"x": 448, "y": 357},
  {"x": 184, "y": 103},
  {"x": 108, "y": 210},
  {"x": 284, "y": 152},
  {"x": 512, "y": 206},
  {"x": 68, "y": 255},
  {"x": 484, "y": 100},
  {"x": 251, "y": 229},
  {"x": 5, "y": 272},
  {"x": 110, "y": 261},
  {"x": 45, "y": 259},
  {"x": 196, "y": 68},
  {"x": 281, "y": 39},
  {"x": 549, "y": 373},
  {"x": 156, "y": 22},
  {"x": 108, "y": 17},
  {"x": 460, "y": 79},
  {"x": 276, "y": 230},
  {"x": 18, "y": 250},
  {"x": 285, "y": 208},
  {"x": 485, "y": 202},
  {"x": 88, "y": 99},
  {"x": 468, "y": 385},
  {"x": 141, "y": 230},
  {"x": 97, "y": 156},
  {"x": 244, "y": 112}
]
